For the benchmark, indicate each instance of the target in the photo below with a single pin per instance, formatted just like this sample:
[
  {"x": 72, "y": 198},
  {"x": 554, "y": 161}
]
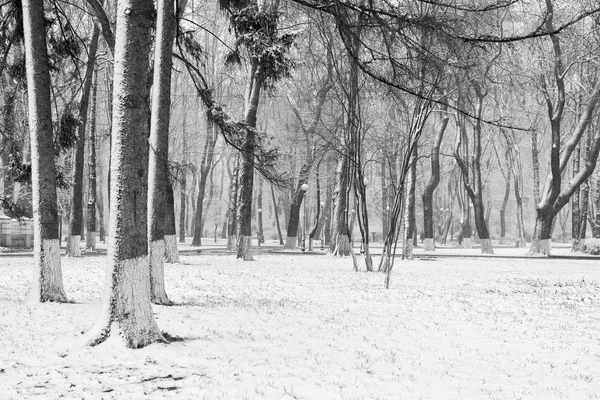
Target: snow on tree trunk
[
  {"x": 76, "y": 222},
  {"x": 47, "y": 282},
  {"x": 126, "y": 317}
]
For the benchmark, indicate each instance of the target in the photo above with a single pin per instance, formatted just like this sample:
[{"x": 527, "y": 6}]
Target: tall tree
[
  {"x": 76, "y": 215},
  {"x": 47, "y": 282},
  {"x": 126, "y": 312}
]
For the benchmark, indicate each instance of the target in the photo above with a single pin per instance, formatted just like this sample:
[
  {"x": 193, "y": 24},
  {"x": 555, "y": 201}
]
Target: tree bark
[
  {"x": 427, "y": 197},
  {"x": 76, "y": 220},
  {"x": 126, "y": 315},
  {"x": 276, "y": 212},
  {"x": 232, "y": 222},
  {"x": 47, "y": 284},
  {"x": 171, "y": 249},
  {"x": 340, "y": 243},
  {"x": 259, "y": 205},
  {"x": 294, "y": 215},
  {"x": 206, "y": 165},
  {"x": 244, "y": 244},
  {"x": 90, "y": 242},
  {"x": 158, "y": 173},
  {"x": 409, "y": 207}
]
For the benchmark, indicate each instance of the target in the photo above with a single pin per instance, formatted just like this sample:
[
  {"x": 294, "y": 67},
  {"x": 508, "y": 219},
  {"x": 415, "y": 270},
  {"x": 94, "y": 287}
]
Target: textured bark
[
  {"x": 340, "y": 243},
  {"x": 255, "y": 82},
  {"x": 182, "y": 209},
  {"x": 519, "y": 200},
  {"x": 535, "y": 152},
  {"x": 90, "y": 241},
  {"x": 575, "y": 208},
  {"x": 76, "y": 220},
  {"x": 126, "y": 314},
  {"x": 507, "y": 179},
  {"x": 47, "y": 282},
  {"x": 158, "y": 173}
]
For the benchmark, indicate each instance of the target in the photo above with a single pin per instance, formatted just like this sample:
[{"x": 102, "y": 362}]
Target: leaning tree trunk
[
  {"x": 90, "y": 239},
  {"x": 126, "y": 315},
  {"x": 428, "y": 231},
  {"x": 76, "y": 220},
  {"x": 47, "y": 284},
  {"x": 159, "y": 150},
  {"x": 276, "y": 212}
]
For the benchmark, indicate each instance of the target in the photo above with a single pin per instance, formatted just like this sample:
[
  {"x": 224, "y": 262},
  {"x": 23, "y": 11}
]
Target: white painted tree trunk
[
  {"x": 136, "y": 326},
  {"x": 290, "y": 242},
  {"x": 245, "y": 248},
  {"x": 540, "y": 247},
  {"x": 467, "y": 244},
  {"x": 90, "y": 240},
  {"x": 74, "y": 246},
  {"x": 156, "y": 254},
  {"x": 486, "y": 246},
  {"x": 47, "y": 283},
  {"x": 429, "y": 244},
  {"x": 171, "y": 250}
]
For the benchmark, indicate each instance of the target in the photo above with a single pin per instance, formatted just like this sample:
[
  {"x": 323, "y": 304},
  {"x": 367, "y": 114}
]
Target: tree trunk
[
  {"x": 259, "y": 205},
  {"x": 428, "y": 231},
  {"x": 340, "y": 243},
  {"x": 159, "y": 184},
  {"x": 294, "y": 214},
  {"x": 244, "y": 244},
  {"x": 126, "y": 315},
  {"x": 205, "y": 168},
  {"x": 519, "y": 200},
  {"x": 76, "y": 220},
  {"x": 171, "y": 249},
  {"x": 507, "y": 178},
  {"x": 575, "y": 208},
  {"x": 183, "y": 185},
  {"x": 409, "y": 207},
  {"x": 276, "y": 212},
  {"x": 91, "y": 205},
  {"x": 232, "y": 222},
  {"x": 47, "y": 284},
  {"x": 535, "y": 152}
]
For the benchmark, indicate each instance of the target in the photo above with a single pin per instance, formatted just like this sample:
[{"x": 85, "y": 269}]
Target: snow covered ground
[{"x": 291, "y": 326}]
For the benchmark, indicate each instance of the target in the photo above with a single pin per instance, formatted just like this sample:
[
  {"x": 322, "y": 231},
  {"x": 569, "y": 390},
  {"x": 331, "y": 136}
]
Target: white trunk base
[
  {"x": 74, "y": 246},
  {"x": 126, "y": 318},
  {"x": 156, "y": 254},
  {"x": 467, "y": 243},
  {"x": 171, "y": 250},
  {"x": 47, "y": 283},
  {"x": 343, "y": 247},
  {"x": 231, "y": 244},
  {"x": 486, "y": 246},
  {"x": 90, "y": 240},
  {"x": 540, "y": 247},
  {"x": 429, "y": 244},
  {"x": 244, "y": 250},
  {"x": 290, "y": 242},
  {"x": 407, "y": 249}
]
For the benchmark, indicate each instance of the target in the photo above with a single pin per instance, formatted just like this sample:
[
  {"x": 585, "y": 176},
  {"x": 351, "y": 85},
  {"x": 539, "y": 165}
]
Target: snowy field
[{"x": 292, "y": 326}]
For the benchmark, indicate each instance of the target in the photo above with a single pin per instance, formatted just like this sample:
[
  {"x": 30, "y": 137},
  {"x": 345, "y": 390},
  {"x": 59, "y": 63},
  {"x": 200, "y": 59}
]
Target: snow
[{"x": 294, "y": 326}]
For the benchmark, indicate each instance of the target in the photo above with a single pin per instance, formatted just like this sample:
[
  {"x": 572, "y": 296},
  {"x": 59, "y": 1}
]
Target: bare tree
[{"x": 47, "y": 282}]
